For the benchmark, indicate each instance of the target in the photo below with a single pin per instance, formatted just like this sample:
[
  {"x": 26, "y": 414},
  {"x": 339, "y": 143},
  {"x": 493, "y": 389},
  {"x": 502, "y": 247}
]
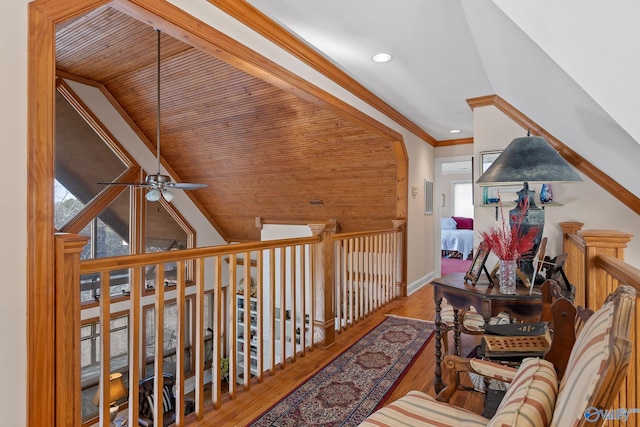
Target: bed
[{"x": 457, "y": 236}]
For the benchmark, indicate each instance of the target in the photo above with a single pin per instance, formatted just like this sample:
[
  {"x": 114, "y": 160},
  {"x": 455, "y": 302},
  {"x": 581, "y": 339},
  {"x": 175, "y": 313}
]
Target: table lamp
[
  {"x": 117, "y": 391},
  {"x": 528, "y": 159}
]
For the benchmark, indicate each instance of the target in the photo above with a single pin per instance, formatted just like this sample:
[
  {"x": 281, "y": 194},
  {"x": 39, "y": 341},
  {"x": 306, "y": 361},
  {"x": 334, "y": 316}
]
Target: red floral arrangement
[{"x": 509, "y": 243}]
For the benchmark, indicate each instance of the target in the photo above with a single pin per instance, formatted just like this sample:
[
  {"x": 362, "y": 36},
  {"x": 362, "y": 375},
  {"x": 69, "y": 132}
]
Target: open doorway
[{"x": 455, "y": 223}]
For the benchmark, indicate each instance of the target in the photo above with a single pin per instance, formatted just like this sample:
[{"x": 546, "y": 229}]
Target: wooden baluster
[
  {"x": 158, "y": 372},
  {"x": 199, "y": 333},
  {"x": 180, "y": 342},
  {"x": 260, "y": 315},
  {"x": 218, "y": 301}
]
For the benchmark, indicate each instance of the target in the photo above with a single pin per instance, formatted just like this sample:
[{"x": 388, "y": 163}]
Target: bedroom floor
[{"x": 454, "y": 265}]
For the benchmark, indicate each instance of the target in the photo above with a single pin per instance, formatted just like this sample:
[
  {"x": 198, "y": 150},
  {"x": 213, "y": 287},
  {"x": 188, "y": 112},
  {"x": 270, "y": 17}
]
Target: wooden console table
[{"x": 487, "y": 300}]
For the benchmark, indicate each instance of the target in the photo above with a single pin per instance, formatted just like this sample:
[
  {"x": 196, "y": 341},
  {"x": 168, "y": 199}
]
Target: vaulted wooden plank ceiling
[{"x": 263, "y": 151}]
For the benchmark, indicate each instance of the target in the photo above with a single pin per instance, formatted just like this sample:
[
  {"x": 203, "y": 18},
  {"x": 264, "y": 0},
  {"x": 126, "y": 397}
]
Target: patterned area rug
[{"x": 349, "y": 388}]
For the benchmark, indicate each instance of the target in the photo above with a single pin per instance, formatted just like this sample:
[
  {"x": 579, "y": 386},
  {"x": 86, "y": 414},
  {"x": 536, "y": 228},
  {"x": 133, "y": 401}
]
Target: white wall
[
  {"x": 420, "y": 226},
  {"x": 13, "y": 187},
  {"x": 571, "y": 32},
  {"x": 584, "y": 202}
]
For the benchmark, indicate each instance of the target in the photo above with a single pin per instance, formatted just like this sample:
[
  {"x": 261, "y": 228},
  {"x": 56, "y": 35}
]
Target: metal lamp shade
[{"x": 528, "y": 159}]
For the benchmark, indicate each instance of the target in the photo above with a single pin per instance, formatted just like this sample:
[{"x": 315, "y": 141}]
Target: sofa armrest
[
  {"x": 493, "y": 370},
  {"x": 145, "y": 422},
  {"x": 453, "y": 365}
]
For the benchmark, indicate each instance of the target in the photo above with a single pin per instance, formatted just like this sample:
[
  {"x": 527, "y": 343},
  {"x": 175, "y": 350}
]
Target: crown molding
[
  {"x": 450, "y": 142},
  {"x": 575, "y": 159}
]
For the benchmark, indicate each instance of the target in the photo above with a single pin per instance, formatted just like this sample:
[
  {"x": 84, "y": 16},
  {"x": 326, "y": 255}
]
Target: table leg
[
  {"x": 456, "y": 331},
  {"x": 437, "y": 380}
]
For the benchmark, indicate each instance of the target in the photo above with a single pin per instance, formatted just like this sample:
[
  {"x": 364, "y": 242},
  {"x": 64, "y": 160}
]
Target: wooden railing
[
  {"x": 595, "y": 265},
  {"x": 291, "y": 308},
  {"x": 367, "y": 273}
]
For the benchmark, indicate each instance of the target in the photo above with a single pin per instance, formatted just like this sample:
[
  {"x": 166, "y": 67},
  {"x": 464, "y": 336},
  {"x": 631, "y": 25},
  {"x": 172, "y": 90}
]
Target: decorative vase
[
  {"x": 546, "y": 195},
  {"x": 508, "y": 276}
]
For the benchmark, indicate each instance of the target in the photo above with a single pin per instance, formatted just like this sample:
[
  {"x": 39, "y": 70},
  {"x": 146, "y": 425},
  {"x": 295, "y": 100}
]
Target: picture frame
[
  {"x": 478, "y": 265},
  {"x": 492, "y": 194},
  {"x": 487, "y": 158}
]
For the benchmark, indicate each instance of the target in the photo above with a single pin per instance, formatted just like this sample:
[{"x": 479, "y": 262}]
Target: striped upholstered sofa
[{"x": 594, "y": 371}]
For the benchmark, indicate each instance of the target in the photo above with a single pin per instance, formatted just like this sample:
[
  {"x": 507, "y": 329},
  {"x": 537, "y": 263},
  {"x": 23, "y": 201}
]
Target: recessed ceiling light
[
  {"x": 454, "y": 131},
  {"x": 382, "y": 57}
]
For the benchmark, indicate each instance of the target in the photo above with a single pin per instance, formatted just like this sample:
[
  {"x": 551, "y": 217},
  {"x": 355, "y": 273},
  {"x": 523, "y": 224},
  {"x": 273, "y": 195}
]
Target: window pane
[
  {"x": 169, "y": 338},
  {"x": 108, "y": 236},
  {"x": 90, "y": 359},
  {"x": 163, "y": 233},
  {"x": 463, "y": 199},
  {"x": 66, "y": 205},
  {"x": 82, "y": 158}
]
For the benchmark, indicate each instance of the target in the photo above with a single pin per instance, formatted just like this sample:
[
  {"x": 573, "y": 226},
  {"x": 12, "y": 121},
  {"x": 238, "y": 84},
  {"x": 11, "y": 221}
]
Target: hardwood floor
[{"x": 249, "y": 404}]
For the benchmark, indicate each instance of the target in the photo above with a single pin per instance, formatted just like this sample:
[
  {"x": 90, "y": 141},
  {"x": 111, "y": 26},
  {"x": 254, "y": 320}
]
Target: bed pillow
[
  {"x": 463, "y": 223},
  {"x": 448, "y": 224}
]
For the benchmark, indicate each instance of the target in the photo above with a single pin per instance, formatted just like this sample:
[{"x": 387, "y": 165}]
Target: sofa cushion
[
  {"x": 585, "y": 368},
  {"x": 531, "y": 397},
  {"x": 417, "y": 408}
]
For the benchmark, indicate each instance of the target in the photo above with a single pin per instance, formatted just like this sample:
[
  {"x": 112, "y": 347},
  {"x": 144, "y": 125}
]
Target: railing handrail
[
  {"x": 577, "y": 240},
  {"x": 300, "y": 276},
  {"x": 343, "y": 236},
  {"x": 141, "y": 260},
  {"x": 620, "y": 270}
]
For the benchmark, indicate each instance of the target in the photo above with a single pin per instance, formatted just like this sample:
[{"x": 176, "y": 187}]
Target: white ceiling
[{"x": 447, "y": 51}]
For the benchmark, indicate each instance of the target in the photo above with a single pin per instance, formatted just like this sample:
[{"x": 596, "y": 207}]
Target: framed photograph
[
  {"x": 478, "y": 264},
  {"x": 487, "y": 158},
  {"x": 492, "y": 194}
]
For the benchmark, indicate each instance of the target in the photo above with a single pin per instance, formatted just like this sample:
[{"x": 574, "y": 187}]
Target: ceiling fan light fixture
[
  {"x": 153, "y": 195},
  {"x": 168, "y": 195}
]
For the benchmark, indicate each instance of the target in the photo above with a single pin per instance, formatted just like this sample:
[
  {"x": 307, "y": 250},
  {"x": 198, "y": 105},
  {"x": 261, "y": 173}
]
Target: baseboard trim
[{"x": 419, "y": 283}]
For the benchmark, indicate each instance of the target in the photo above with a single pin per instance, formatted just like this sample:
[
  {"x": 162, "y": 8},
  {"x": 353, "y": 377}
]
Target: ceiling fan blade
[
  {"x": 140, "y": 184},
  {"x": 184, "y": 185}
]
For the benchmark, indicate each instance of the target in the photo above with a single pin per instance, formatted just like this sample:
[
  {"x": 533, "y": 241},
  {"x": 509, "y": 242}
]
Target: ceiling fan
[{"x": 159, "y": 184}]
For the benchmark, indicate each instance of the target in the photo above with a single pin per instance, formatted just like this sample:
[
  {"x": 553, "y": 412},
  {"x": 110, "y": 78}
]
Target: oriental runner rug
[{"x": 349, "y": 388}]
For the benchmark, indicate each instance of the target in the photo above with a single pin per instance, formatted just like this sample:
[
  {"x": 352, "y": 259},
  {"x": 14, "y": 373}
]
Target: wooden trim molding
[
  {"x": 575, "y": 159},
  {"x": 451, "y": 142},
  {"x": 265, "y": 26}
]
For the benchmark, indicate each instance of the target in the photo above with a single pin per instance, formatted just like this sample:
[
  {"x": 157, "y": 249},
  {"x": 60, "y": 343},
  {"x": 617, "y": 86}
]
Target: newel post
[
  {"x": 324, "y": 330},
  {"x": 600, "y": 242},
  {"x": 67, "y": 328},
  {"x": 401, "y": 259}
]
